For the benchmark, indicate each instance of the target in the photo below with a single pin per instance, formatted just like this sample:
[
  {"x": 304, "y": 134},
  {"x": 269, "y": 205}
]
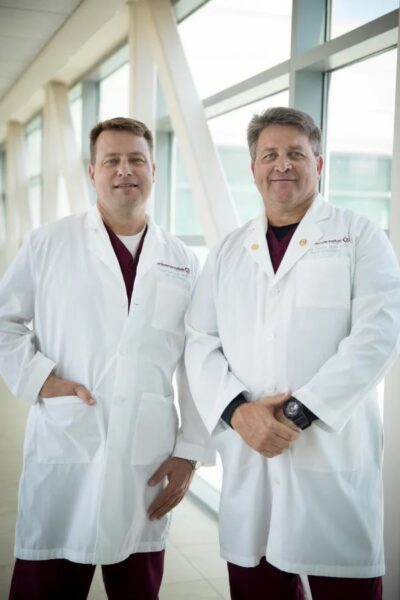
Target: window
[
  {"x": 114, "y": 94},
  {"x": 2, "y": 195},
  {"x": 229, "y": 132},
  {"x": 75, "y": 105},
  {"x": 360, "y": 136},
  {"x": 33, "y": 137},
  {"x": 227, "y": 41},
  {"x": 346, "y": 15}
]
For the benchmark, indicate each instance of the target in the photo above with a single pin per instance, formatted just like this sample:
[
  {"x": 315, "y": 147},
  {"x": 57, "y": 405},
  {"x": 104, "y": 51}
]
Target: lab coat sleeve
[
  {"x": 364, "y": 356},
  {"x": 22, "y": 366},
  {"x": 193, "y": 440},
  {"x": 212, "y": 383}
]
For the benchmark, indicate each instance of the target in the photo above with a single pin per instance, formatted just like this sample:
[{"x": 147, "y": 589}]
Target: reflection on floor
[{"x": 193, "y": 569}]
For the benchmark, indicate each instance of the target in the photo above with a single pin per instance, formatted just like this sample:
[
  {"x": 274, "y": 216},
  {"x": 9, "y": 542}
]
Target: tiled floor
[{"x": 193, "y": 569}]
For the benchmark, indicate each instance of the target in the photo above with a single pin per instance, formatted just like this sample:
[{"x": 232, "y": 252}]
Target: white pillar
[
  {"x": 49, "y": 162},
  {"x": 142, "y": 75},
  {"x": 18, "y": 216},
  {"x": 392, "y": 393},
  {"x": 203, "y": 168},
  {"x": 61, "y": 154},
  {"x": 142, "y": 72}
]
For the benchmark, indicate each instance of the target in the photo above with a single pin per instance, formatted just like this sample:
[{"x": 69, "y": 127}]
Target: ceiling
[{"x": 25, "y": 28}]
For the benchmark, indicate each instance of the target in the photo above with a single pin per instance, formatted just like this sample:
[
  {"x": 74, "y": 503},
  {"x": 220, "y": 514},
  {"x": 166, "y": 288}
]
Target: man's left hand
[{"x": 179, "y": 473}]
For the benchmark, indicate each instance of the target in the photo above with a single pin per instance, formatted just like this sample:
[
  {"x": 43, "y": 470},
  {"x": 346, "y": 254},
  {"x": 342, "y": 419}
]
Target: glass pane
[
  {"x": 114, "y": 94},
  {"x": 360, "y": 137},
  {"x": 76, "y": 115},
  {"x": 226, "y": 41},
  {"x": 346, "y": 15},
  {"x": 2, "y": 196},
  {"x": 35, "y": 202},
  {"x": 229, "y": 134},
  {"x": 184, "y": 219},
  {"x": 34, "y": 152}
]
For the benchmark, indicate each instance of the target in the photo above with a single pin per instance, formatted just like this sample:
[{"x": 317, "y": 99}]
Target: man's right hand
[
  {"x": 56, "y": 386},
  {"x": 257, "y": 425}
]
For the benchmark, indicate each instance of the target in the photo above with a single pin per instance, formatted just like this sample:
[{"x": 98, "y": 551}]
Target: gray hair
[{"x": 281, "y": 115}]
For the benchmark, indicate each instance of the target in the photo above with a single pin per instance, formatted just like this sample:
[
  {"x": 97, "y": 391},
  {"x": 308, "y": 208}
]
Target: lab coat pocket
[
  {"x": 171, "y": 303},
  {"x": 67, "y": 431},
  {"x": 328, "y": 451},
  {"x": 155, "y": 430},
  {"x": 323, "y": 283}
]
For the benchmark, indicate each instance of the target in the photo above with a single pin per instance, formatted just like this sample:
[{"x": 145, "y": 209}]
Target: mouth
[
  {"x": 125, "y": 185},
  {"x": 284, "y": 179}
]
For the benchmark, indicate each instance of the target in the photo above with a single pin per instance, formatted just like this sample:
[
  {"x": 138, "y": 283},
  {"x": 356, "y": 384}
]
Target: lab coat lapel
[
  {"x": 307, "y": 233},
  {"x": 99, "y": 243},
  {"x": 256, "y": 245},
  {"x": 152, "y": 248}
]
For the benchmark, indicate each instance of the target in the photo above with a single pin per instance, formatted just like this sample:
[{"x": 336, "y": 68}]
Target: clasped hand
[{"x": 264, "y": 427}]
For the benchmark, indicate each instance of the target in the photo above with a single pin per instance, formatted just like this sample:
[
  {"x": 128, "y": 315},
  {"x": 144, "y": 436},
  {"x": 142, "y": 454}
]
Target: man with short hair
[
  {"x": 104, "y": 461},
  {"x": 294, "y": 321}
]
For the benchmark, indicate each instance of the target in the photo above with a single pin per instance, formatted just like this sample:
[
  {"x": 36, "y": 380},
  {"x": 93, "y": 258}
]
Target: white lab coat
[
  {"x": 83, "y": 494},
  {"x": 325, "y": 325}
]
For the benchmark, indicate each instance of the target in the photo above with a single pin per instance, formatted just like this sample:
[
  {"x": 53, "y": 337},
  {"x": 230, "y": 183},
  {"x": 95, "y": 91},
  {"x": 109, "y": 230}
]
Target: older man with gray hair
[{"x": 294, "y": 321}]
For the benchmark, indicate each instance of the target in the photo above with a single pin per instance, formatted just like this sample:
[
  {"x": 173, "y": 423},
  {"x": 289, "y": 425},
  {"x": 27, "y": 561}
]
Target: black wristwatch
[{"x": 295, "y": 411}]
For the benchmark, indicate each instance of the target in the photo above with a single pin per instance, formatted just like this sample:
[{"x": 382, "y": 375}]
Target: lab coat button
[{"x": 270, "y": 337}]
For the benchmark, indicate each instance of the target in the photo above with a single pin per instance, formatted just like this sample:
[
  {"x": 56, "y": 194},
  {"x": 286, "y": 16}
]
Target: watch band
[
  {"x": 196, "y": 464},
  {"x": 300, "y": 415}
]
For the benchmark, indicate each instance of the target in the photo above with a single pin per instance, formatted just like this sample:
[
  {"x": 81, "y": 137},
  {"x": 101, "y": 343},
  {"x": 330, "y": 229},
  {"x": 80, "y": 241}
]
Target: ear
[
  {"x": 252, "y": 167},
  {"x": 91, "y": 173},
  {"x": 153, "y": 170},
  {"x": 320, "y": 164}
]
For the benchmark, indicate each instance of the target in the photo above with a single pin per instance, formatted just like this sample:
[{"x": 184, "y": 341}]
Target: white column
[
  {"x": 18, "y": 216},
  {"x": 392, "y": 393},
  {"x": 203, "y": 168},
  {"x": 69, "y": 154},
  {"x": 142, "y": 75},
  {"x": 50, "y": 162},
  {"x": 142, "y": 72}
]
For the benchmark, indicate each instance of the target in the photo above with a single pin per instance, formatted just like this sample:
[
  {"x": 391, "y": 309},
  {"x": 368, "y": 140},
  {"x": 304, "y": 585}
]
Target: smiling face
[
  {"x": 286, "y": 172},
  {"x": 122, "y": 174}
]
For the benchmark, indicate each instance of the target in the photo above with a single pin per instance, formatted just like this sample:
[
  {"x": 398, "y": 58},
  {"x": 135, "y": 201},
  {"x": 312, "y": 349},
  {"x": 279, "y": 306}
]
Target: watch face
[{"x": 292, "y": 408}]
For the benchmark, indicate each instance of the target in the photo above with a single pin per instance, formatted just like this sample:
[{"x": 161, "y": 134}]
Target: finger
[
  {"x": 158, "y": 476},
  {"x": 277, "y": 400},
  {"x": 163, "y": 498},
  {"x": 286, "y": 432},
  {"x": 84, "y": 394},
  {"x": 162, "y": 510}
]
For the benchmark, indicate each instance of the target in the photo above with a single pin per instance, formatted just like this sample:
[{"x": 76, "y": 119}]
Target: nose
[
  {"x": 283, "y": 164},
  {"x": 124, "y": 168}
]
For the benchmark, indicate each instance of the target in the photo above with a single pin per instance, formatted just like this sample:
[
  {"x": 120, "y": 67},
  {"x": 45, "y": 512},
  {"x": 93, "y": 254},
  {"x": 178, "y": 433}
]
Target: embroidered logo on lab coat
[
  {"x": 332, "y": 245},
  {"x": 173, "y": 271}
]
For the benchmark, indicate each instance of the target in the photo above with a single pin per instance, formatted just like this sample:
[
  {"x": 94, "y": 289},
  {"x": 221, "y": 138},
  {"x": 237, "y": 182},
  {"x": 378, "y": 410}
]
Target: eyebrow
[
  {"x": 118, "y": 154},
  {"x": 295, "y": 147}
]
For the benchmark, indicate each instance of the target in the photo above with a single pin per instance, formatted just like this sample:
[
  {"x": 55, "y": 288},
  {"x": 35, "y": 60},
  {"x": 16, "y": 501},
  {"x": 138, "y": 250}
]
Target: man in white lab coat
[
  {"x": 294, "y": 321},
  {"x": 104, "y": 460}
]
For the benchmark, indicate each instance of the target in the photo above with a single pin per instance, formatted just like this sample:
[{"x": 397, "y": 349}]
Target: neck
[
  {"x": 284, "y": 215},
  {"x": 124, "y": 223}
]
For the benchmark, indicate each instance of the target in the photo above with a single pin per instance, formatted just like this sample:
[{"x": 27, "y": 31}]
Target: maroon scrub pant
[
  {"x": 266, "y": 582},
  {"x": 136, "y": 578}
]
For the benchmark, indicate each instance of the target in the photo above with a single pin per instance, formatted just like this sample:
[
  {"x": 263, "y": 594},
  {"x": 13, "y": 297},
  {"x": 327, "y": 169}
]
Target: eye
[
  {"x": 296, "y": 154},
  {"x": 269, "y": 156},
  {"x": 111, "y": 161},
  {"x": 137, "y": 160}
]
